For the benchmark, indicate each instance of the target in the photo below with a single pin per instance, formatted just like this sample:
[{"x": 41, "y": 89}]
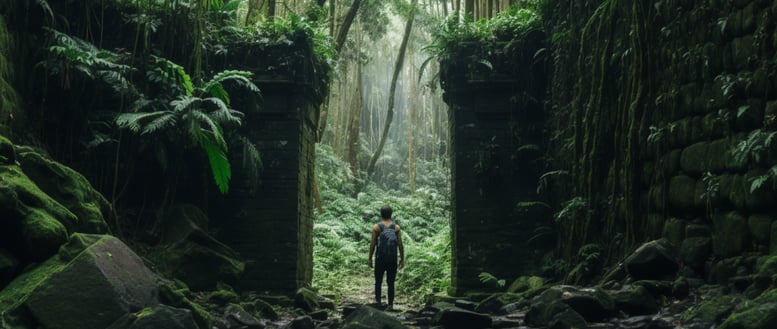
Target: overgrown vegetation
[{"x": 342, "y": 233}]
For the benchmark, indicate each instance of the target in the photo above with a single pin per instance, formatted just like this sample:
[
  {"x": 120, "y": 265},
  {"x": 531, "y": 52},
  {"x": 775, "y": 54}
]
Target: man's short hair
[{"x": 385, "y": 212}]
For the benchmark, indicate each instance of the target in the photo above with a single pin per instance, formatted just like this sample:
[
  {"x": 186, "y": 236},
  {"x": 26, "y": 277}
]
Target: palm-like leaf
[
  {"x": 217, "y": 158},
  {"x": 135, "y": 121}
]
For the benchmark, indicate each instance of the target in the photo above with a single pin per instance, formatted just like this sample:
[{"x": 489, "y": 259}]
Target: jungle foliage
[{"x": 342, "y": 232}]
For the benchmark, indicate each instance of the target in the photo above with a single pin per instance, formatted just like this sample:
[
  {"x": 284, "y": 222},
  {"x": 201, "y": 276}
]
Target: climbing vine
[{"x": 607, "y": 109}]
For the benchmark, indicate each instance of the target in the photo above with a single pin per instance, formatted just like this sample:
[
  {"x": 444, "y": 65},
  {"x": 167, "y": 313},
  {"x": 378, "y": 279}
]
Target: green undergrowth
[{"x": 341, "y": 234}]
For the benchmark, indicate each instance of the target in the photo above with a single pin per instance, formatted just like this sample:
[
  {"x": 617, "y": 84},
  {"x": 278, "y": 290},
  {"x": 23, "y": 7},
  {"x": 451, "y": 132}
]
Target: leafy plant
[
  {"x": 196, "y": 118},
  {"x": 588, "y": 260},
  {"x": 491, "y": 280},
  {"x": 69, "y": 54},
  {"x": 573, "y": 209},
  {"x": 756, "y": 146}
]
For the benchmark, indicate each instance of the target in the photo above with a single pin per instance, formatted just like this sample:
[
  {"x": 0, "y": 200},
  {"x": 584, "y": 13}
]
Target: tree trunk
[
  {"x": 393, "y": 90},
  {"x": 354, "y": 118},
  {"x": 469, "y": 8},
  {"x": 342, "y": 36},
  {"x": 412, "y": 101}
]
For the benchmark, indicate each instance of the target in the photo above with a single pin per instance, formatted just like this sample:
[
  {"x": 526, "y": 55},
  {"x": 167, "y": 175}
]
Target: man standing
[{"x": 388, "y": 238}]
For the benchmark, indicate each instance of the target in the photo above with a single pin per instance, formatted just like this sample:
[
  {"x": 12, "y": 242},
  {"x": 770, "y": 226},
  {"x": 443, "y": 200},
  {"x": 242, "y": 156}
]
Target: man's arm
[
  {"x": 401, "y": 248},
  {"x": 372, "y": 243}
]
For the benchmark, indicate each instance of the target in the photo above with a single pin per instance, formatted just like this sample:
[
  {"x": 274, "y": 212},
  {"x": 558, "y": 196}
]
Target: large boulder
[
  {"x": 91, "y": 283},
  {"x": 635, "y": 300},
  {"x": 365, "y": 317},
  {"x": 593, "y": 304},
  {"x": 492, "y": 304},
  {"x": 69, "y": 188},
  {"x": 653, "y": 260},
  {"x": 193, "y": 255},
  {"x": 34, "y": 224}
]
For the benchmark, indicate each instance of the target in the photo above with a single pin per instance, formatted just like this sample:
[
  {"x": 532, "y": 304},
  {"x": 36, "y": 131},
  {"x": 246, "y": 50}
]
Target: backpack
[{"x": 387, "y": 243}]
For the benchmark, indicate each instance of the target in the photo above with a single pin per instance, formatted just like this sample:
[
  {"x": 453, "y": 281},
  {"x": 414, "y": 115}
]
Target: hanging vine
[{"x": 608, "y": 116}]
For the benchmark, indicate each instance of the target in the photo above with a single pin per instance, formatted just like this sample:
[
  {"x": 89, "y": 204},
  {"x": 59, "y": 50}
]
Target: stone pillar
[
  {"x": 495, "y": 120},
  {"x": 270, "y": 224}
]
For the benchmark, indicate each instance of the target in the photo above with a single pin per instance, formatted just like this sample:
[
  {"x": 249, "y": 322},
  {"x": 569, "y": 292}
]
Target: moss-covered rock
[
  {"x": 157, "y": 316},
  {"x": 69, "y": 188},
  {"x": 760, "y": 228},
  {"x": 34, "y": 224},
  {"x": 635, "y": 300},
  {"x": 710, "y": 312},
  {"x": 731, "y": 234},
  {"x": 457, "y": 318},
  {"x": 198, "y": 259},
  {"x": 174, "y": 294},
  {"x": 525, "y": 283},
  {"x": 100, "y": 284},
  {"x": 306, "y": 299},
  {"x": 695, "y": 251},
  {"x": 496, "y": 301},
  {"x": 653, "y": 260},
  {"x": 7, "y": 153},
  {"x": 365, "y": 317},
  {"x": 8, "y": 267},
  {"x": 758, "y": 313}
]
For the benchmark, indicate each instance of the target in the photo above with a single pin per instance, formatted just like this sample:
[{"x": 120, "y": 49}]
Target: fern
[
  {"x": 217, "y": 158},
  {"x": 488, "y": 278}
]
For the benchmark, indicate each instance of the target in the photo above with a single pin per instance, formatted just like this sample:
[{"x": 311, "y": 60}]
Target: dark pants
[{"x": 391, "y": 274}]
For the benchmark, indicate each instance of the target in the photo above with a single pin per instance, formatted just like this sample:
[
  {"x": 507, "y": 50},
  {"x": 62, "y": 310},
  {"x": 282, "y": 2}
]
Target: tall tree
[
  {"x": 355, "y": 116},
  {"x": 392, "y": 91},
  {"x": 342, "y": 35}
]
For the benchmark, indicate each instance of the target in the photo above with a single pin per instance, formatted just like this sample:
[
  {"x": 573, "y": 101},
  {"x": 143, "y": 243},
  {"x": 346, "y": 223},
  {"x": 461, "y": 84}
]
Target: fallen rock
[
  {"x": 197, "y": 258},
  {"x": 240, "y": 318},
  {"x": 553, "y": 314},
  {"x": 157, "y": 316},
  {"x": 654, "y": 260},
  {"x": 593, "y": 304},
  {"x": 366, "y": 317},
  {"x": 306, "y": 299},
  {"x": 95, "y": 280},
  {"x": 635, "y": 300},
  {"x": 457, "y": 318},
  {"x": 302, "y": 322}
]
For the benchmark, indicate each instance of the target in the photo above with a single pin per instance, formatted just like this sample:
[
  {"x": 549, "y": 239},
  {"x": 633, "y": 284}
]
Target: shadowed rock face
[{"x": 90, "y": 283}]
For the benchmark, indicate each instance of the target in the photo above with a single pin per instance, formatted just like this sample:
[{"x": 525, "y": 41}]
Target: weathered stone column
[
  {"x": 270, "y": 223},
  {"x": 495, "y": 119}
]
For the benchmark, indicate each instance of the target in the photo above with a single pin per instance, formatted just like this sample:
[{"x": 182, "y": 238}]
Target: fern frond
[
  {"x": 223, "y": 114},
  {"x": 219, "y": 164},
  {"x": 134, "y": 121},
  {"x": 212, "y": 126},
  {"x": 166, "y": 120},
  {"x": 183, "y": 103}
]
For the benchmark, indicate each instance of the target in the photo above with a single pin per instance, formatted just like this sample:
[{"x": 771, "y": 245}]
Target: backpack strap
[
  {"x": 393, "y": 226},
  {"x": 381, "y": 226}
]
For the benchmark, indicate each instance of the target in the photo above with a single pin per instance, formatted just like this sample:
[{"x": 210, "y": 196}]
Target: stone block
[
  {"x": 694, "y": 159},
  {"x": 731, "y": 234},
  {"x": 742, "y": 51},
  {"x": 773, "y": 240},
  {"x": 674, "y": 231},
  {"x": 698, "y": 231},
  {"x": 681, "y": 192},
  {"x": 750, "y": 115},
  {"x": 695, "y": 251},
  {"x": 760, "y": 228}
]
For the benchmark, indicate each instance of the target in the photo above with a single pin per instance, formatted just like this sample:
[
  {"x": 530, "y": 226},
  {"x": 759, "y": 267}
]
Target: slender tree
[
  {"x": 392, "y": 91},
  {"x": 354, "y": 118}
]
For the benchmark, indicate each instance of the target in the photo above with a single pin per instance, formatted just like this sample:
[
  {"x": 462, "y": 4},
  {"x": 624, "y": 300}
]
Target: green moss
[
  {"x": 13, "y": 295},
  {"x": 69, "y": 188},
  {"x": 42, "y": 234},
  {"x": 760, "y": 316},
  {"x": 711, "y": 311}
]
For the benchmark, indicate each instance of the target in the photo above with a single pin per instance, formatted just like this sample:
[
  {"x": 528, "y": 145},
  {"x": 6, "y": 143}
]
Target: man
[{"x": 388, "y": 238}]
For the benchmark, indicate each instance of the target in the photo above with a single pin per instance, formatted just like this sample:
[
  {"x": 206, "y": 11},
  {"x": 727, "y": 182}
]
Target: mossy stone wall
[
  {"x": 495, "y": 137},
  {"x": 270, "y": 222},
  {"x": 704, "y": 77}
]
